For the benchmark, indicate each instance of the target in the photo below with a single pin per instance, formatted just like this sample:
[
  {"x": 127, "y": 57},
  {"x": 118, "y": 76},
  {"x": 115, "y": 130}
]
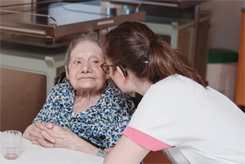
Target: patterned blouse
[{"x": 102, "y": 124}]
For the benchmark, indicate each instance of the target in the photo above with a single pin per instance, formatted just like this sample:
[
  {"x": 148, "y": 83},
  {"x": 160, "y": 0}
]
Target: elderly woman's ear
[{"x": 67, "y": 73}]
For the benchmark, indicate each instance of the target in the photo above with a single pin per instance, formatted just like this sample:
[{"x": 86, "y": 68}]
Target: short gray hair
[{"x": 90, "y": 36}]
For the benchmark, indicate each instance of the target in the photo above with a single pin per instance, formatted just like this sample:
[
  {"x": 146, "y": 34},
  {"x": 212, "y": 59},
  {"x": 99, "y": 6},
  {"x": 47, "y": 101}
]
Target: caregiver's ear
[{"x": 119, "y": 69}]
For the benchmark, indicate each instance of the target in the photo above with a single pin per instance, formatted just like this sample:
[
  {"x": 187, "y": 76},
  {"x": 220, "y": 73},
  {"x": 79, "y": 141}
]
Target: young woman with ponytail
[{"x": 178, "y": 113}]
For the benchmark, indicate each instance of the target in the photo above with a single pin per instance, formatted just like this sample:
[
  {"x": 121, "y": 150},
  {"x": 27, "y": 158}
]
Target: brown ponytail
[{"x": 136, "y": 47}]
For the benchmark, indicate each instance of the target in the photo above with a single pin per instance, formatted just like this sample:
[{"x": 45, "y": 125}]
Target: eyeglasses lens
[{"x": 106, "y": 69}]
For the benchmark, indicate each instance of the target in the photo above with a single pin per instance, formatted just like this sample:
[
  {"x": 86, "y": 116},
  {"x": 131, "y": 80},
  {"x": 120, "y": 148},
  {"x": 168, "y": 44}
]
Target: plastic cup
[{"x": 11, "y": 144}]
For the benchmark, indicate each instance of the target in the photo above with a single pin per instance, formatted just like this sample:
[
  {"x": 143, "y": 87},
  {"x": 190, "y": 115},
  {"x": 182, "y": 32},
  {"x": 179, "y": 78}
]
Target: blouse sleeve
[
  {"x": 47, "y": 112},
  {"x": 122, "y": 109}
]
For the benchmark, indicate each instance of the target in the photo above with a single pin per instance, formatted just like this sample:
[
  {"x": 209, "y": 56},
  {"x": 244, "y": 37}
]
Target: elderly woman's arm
[{"x": 64, "y": 138}]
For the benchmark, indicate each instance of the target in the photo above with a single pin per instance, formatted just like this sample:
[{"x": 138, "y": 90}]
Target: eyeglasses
[{"x": 106, "y": 69}]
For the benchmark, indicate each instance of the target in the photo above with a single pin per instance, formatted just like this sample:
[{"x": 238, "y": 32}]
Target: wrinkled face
[{"x": 84, "y": 72}]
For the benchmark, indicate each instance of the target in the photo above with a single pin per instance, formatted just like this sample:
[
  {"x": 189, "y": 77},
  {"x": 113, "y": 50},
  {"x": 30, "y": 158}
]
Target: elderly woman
[{"x": 86, "y": 113}]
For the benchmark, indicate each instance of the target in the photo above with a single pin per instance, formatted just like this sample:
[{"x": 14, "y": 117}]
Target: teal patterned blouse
[{"x": 102, "y": 124}]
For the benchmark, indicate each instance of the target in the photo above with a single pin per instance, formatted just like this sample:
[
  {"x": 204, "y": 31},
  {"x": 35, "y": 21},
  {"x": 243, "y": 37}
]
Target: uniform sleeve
[{"x": 144, "y": 139}]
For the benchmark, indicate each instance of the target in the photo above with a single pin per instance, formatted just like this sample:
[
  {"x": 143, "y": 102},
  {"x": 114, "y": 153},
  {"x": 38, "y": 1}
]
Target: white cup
[{"x": 11, "y": 144}]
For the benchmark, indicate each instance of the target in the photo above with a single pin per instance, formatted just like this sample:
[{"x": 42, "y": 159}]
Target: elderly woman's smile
[{"x": 84, "y": 78}]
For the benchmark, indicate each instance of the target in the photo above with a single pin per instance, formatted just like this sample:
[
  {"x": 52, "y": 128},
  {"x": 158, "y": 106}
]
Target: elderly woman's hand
[
  {"x": 58, "y": 135},
  {"x": 63, "y": 138},
  {"x": 38, "y": 134},
  {"x": 33, "y": 133},
  {"x": 32, "y": 128}
]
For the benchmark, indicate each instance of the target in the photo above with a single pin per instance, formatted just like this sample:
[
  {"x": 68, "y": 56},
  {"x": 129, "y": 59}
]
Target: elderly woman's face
[{"x": 84, "y": 68}]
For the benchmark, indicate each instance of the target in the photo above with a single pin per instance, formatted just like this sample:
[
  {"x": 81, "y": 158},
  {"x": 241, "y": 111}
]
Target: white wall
[{"x": 225, "y": 23}]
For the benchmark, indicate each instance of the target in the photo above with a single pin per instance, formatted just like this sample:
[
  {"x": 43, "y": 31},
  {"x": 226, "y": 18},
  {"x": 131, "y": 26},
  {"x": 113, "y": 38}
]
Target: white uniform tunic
[{"x": 200, "y": 123}]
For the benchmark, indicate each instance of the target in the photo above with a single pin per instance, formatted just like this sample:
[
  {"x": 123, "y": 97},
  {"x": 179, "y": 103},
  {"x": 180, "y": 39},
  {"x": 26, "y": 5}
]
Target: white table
[{"x": 34, "y": 154}]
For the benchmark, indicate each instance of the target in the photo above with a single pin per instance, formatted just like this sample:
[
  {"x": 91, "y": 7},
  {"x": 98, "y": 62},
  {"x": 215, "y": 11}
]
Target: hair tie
[{"x": 150, "y": 42}]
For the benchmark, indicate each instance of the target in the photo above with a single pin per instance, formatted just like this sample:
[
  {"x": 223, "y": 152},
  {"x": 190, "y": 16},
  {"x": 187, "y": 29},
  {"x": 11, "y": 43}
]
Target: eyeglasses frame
[
  {"x": 104, "y": 65},
  {"x": 125, "y": 73}
]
